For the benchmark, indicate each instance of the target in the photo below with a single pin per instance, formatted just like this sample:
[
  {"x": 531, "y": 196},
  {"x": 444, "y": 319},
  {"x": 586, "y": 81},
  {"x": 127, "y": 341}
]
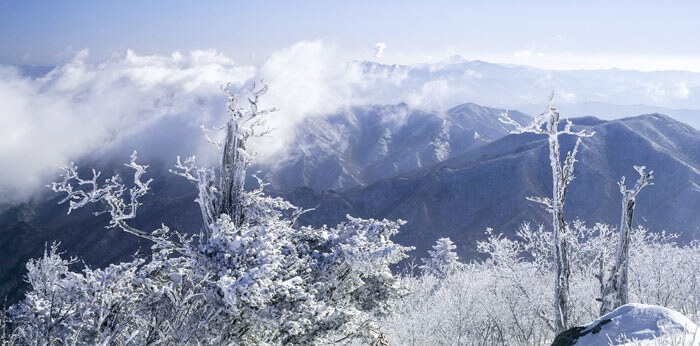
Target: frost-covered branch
[
  {"x": 443, "y": 259},
  {"x": 568, "y": 169},
  {"x": 205, "y": 180},
  {"x": 545, "y": 201},
  {"x": 644, "y": 180},
  {"x": 111, "y": 193},
  {"x": 224, "y": 194},
  {"x": 545, "y": 123}
]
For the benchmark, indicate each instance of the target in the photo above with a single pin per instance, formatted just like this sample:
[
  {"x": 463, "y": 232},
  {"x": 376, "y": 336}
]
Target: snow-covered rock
[{"x": 635, "y": 324}]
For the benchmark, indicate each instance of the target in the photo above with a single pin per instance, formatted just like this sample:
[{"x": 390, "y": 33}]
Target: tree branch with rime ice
[
  {"x": 112, "y": 193},
  {"x": 643, "y": 181}
]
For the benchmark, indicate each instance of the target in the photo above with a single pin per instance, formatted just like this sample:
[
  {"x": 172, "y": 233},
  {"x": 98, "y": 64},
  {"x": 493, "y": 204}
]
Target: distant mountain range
[
  {"x": 448, "y": 174},
  {"x": 607, "y": 94},
  {"x": 506, "y": 85}
]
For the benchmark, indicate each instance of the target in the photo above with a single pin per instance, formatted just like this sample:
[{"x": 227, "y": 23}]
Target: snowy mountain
[
  {"x": 487, "y": 186},
  {"x": 430, "y": 169},
  {"x": 362, "y": 145}
]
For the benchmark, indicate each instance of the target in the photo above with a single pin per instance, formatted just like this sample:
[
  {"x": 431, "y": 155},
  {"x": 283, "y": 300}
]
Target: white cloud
[
  {"x": 152, "y": 101},
  {"x": 471, "y": 74},
  {"x": 379, "y": 49},
  {"x": 306, "y": 80},
  {"x": 682, "y": 90},
  {"x": 79, "y": 107},
  {"x": 527, "y": 54},
  {"x": 664, "y": 93},
  {"x": 134, "y": 100},
  {"x": 565, "y": 96},
  {"x": 82, "y": 107},
  {"x": 524, "y": 53}
]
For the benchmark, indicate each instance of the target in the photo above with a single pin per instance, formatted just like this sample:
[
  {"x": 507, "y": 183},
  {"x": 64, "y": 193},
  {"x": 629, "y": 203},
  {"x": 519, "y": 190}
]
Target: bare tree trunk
[
  {"x": 244, "y": 122},
  {"x": 615, "y": 292},
  {"x": 561, "y": 285},
  {"x": 562, "y": 269},
  {"x": 233, "y": 170}
]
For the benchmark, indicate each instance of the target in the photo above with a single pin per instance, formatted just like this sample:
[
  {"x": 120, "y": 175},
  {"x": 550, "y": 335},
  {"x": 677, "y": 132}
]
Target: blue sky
[{"x": 642, "y": 35}]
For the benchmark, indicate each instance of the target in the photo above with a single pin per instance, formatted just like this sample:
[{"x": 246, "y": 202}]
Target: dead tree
[
  {"x": 235, "y": 159},
  {"x": 547, "y": 123},
  {"x": 225, "y": 194},
  {"x": 615, "y": 291}
]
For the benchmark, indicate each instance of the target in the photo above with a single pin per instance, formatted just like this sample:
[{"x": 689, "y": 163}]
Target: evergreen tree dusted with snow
[
  {"x": 251, "y": 276},
  {"x": 442, "y": 259}
]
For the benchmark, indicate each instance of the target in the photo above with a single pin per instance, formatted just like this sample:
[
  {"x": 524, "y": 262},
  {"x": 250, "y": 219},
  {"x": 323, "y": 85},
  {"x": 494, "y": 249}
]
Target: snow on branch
[
  {"x": 644, "y": 180},
  {"x": 252, "y": 277},
  {"x": 204, "y": 179},
  {"x": 545, "y": 201},
  {"x": 247, "y": 117},
  {"x": 112, "y": 192},
  {"x": 615, "y": 292},
  {"x": 545, "y": 123},
  {"x": 81, "y": 192},
  {"x": 568, "y": 169}
]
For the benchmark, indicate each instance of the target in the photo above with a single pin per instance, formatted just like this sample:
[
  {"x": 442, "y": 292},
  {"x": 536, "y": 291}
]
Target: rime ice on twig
[{"x": 80, "y": 192}]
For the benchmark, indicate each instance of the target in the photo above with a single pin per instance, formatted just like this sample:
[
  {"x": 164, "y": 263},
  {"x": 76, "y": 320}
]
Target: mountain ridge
[{"x": 460, "y": 196}]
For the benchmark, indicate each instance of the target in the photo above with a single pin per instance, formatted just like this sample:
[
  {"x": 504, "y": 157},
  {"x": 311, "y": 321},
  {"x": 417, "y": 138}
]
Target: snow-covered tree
[
  {"x": 615, "y": 292},
  {"x": 442, "y": 260},
  {"x": 547, "y": 123},
  {"x": 502, "y": 299},
  {"x": 250, "y": 276}
]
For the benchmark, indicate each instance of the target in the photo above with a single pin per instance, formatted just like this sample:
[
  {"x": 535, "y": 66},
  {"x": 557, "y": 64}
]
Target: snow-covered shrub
[
  {"x": 251, "y": 276},
  {"x": 505, "y": 299},
  {"x": 65, "y": 306}
]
